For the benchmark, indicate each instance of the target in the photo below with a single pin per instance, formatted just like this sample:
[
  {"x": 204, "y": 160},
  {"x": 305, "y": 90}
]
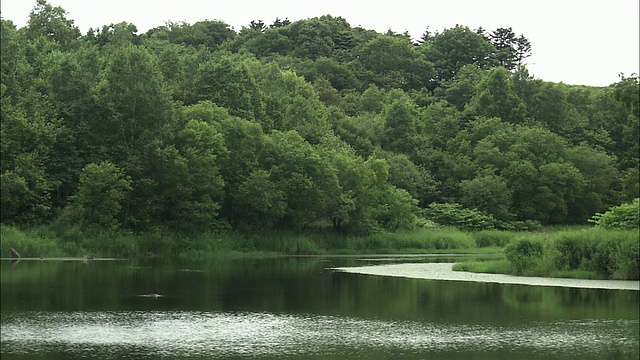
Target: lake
[{"x": 298, "y": 308}]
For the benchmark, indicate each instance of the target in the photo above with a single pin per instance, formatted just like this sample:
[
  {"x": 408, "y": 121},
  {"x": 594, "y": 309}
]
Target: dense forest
[{"x": 310, "y": 124}]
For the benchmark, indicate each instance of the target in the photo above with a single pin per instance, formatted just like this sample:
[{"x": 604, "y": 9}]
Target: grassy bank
[
  {"x": 561, "y": 252},
  {"x": 43, "y": 242},
  {"x": 585, "y": 254}
]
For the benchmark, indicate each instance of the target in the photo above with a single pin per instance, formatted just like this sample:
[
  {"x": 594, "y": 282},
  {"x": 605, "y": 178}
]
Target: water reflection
[
  {"x": 200, "y": 334},
  {"x": 297, "y": 308}
]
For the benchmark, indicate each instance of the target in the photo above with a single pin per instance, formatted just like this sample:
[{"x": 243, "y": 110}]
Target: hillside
[{"x": 298, "y": 125}]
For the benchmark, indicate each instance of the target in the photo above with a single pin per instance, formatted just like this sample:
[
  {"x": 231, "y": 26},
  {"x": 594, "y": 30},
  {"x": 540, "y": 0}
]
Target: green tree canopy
[
  {"x": 52, "y": 23},
  {"x": 454, "y": 48},
  {"x": 102, "y": 191}
]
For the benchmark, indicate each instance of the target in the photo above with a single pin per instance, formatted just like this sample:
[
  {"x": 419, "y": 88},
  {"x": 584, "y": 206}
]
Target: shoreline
[
  {"x": 69, "y": 258},
  {"x": 444, "y": 271}
]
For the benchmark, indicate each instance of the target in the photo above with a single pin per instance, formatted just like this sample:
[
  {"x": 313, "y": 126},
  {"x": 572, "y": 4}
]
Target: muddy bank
[{"x": 443, "y": 271}]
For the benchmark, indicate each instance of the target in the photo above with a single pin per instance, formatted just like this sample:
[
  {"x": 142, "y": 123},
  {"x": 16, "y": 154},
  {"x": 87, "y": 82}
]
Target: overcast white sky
[{"x": 585, "y": 42}]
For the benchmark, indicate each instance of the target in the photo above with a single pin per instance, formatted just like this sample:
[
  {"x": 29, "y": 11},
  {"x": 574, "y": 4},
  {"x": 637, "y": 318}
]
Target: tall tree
[
  {"x": 454, "y": 48},
  {"x": 198, "y": 194},
  {"x": 280, "y": 23},
  {"x": 132, "y": 102},
  {"x": 290, "y": 103},
  {"x": 460, "y": 90},
  {"x": 401, "y": 125},
  {"x": 496, "y": 97},
  {"x": 504, "y": 39},
  {"x": 114, "y": 36},
  {"x": 52, "y": 23},
  {"x": 522, "y": 50},
  {"x": 306, "y": 180},
  {"x": 258, "y": 25},
  {"x": 489, "y": 193},
  {"x": 210, "y": 33},
  {"x": 227, "y": 81},
  {"x": 99, "y": 201},
  {"x": 393, "y": 62},
  {"x": 615, "y": 109}
]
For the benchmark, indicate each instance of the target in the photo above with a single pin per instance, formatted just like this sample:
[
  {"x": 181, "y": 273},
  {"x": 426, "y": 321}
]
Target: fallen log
[{"x": 14, "y": 253}]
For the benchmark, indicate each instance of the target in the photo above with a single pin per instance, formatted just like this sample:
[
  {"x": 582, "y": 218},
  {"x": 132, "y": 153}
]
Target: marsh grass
[
  {"x": 575, "y": 252},
  {"x": 498, "y": 238},
  {"x": 418, "y": 240},
  {"x": 33, "y": 243},
  {"x": 502, "y": 266},
  {"x": 322, "y": 243},
  {"x": 613, "y": 254},
  {"x": 584, "y": 253},
  {"x": 50, "y": 242},
  {"x": 578, "y": 274}
]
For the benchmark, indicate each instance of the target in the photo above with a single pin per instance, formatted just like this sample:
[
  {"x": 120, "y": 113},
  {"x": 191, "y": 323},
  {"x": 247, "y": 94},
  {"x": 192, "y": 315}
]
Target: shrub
[
  {"x": 624, "y": 216},
  {"x": 524, "y": 253},
  {"x": 101, "y": 191},
  {"x": 457, "y": 216},
  {"x": 617, "y": 254},
  {"x": 626, "y": 260},
  {"x": 573, "y": 248}
]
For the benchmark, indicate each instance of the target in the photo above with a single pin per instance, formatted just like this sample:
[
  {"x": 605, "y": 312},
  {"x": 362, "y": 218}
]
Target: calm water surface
[{"x": 297, "y": 308}]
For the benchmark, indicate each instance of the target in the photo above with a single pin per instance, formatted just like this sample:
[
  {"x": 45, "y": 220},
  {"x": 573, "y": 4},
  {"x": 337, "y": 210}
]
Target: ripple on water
[{"x": 202, "y": 334}]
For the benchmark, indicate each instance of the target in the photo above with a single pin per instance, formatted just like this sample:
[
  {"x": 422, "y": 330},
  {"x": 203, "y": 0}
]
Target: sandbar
[{"x": 444, "y": 271}]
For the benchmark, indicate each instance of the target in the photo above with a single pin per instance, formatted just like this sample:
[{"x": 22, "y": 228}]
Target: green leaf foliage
[
  {"x": 311, "y": 125},
  {"x": 625, "y": 216},
  {"x": 524, "y": 254},
  {"x": 457, "y": 216},
  {"x": 102, "y": 191}
]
